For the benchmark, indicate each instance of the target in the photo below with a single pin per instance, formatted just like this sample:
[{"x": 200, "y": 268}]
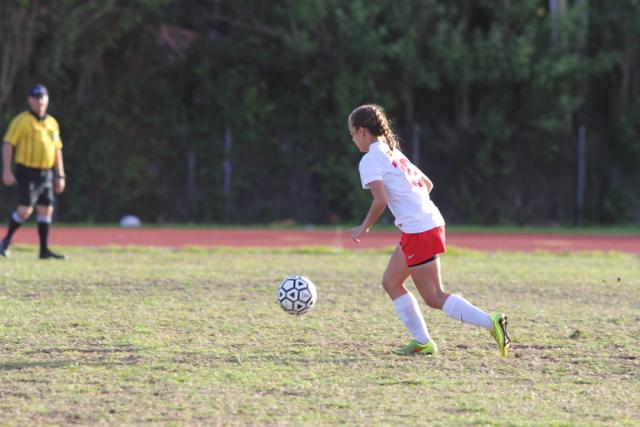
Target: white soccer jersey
[{"x": 408, "y": 197}]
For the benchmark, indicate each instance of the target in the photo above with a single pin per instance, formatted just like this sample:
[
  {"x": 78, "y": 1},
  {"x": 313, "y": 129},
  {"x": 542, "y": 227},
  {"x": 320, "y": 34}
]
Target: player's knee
[
  {"x": 44, "y": 211},
  {"x": 435, "y": 299},
  {"x": 433, "y": 303},
  {"x": 391, "y": 286},
  {"x": 24, "y": 212}
]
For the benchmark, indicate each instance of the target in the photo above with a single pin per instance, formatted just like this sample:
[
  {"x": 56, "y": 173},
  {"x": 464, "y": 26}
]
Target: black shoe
[
  {"x": 51, "y": 255},
  {"x": 4, "y": 248}
]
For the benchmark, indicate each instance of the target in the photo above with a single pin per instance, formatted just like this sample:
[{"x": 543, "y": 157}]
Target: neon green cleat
[
  {"x": 499, "y": 332},
  {"x": 414, "y": 346}
]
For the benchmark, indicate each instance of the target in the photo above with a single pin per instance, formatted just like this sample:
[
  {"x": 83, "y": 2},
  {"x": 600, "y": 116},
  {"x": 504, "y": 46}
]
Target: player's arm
[
  {"x": 7, "y": 159},
  {"x": 60, "y": 177},
  {"x": 378, "y": 205}
]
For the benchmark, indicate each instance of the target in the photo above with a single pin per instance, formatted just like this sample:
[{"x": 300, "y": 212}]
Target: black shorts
[{"x": 35, "y": 186}]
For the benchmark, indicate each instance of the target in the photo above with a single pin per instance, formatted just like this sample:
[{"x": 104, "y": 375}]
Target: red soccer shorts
[{"x": 421, "y": 247}]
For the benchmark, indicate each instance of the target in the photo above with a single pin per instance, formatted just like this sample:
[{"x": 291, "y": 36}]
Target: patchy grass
[{"x": 143, "y": 335}]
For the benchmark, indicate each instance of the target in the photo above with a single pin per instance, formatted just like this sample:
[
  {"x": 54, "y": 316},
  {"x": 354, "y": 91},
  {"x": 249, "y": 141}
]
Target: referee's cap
[{"x": 38, "y": 91}]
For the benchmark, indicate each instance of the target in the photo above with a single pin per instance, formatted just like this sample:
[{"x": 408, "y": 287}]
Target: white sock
[
  {"x": 45, "y": 219},
  {"x": 409, "y": 312},
  {"x": 17, "y": 218},
  {"x": 459, "y": 308}
]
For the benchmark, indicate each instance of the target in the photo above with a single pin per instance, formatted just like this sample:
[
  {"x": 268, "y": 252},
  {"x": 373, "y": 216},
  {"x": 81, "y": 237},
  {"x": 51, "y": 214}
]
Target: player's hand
[
  {"x": 358, "y": 232},
  {"x": 8, "y": 178},
  {"x": 59, "y": 185}
]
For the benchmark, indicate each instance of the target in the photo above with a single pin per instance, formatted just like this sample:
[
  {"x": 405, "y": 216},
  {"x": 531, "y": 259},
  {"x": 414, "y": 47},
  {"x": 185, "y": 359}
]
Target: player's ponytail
[{"x": 373, "y": 118}]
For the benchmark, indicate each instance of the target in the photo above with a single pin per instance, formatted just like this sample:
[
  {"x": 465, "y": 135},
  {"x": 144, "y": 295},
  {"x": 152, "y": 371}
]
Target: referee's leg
[
  {"x": 20, "y": 215},
  {"x": 45, "y": 214}
]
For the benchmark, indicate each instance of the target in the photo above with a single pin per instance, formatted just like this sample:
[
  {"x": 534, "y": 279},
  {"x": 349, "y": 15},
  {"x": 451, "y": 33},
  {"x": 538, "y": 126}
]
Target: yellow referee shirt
[{"x": 35, "y": 141}]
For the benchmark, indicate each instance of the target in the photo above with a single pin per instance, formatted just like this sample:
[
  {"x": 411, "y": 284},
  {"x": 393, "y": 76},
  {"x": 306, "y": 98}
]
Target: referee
[{"x": 34, "y": 137}]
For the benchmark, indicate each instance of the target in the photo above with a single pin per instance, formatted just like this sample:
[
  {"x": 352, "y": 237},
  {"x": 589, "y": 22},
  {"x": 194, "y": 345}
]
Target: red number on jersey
[{"x": 411, "y": 173}]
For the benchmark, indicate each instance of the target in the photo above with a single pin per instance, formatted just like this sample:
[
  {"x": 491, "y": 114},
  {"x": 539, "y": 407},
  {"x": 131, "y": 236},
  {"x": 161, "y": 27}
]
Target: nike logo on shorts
[{"x": 411, "y": 256}]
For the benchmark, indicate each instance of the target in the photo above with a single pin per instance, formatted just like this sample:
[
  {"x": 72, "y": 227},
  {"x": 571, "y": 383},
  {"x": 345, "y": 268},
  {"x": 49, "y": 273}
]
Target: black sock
[
  {"x": 43, "y": 232},
  {"x": 13, "y": 226}
]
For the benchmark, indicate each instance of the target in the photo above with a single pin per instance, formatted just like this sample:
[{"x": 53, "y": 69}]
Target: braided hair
[{"x": 373, "y": 118}]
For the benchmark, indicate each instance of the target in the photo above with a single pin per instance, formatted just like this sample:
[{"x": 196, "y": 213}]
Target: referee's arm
[
  {"x": 7, "y": 160},
  {"x": 58, "y": 167}
]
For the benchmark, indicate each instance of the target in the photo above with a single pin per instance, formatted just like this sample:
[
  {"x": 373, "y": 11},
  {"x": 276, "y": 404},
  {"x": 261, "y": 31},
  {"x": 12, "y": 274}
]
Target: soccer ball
[{"x": 297, "y": 294}]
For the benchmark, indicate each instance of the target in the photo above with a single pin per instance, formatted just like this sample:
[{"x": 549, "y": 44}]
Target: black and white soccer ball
[{"x": 297, "y": 294}]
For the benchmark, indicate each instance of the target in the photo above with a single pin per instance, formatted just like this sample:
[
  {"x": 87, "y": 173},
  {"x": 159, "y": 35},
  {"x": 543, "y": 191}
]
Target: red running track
[{"x": 178, "y": 237}]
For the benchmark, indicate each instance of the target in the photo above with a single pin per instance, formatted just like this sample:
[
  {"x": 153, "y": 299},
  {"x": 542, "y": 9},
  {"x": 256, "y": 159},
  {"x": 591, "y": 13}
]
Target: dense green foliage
[{"x": 158, "y": 98}]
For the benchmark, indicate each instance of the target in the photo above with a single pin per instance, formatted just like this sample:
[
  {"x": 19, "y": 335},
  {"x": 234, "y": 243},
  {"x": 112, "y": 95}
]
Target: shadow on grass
[
  {"x": 87, "y": 350},
  {"x": 54, "y": 364},
  {"x": 16, "y": 366},
  {"x": 101, "y": 359}
]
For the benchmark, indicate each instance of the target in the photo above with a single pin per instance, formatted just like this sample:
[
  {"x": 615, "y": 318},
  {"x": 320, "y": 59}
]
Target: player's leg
[
  {"x": 427, "y": 278},
  {"x": 406, "y": 306},
  {"x": 395, "y": 275}
]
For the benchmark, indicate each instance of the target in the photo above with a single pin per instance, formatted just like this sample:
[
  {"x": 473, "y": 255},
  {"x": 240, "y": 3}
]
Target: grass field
[{"x": 194, "y": 337}]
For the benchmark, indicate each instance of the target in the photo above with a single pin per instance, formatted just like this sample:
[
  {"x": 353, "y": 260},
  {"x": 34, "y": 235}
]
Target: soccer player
[
  {"x": 395, "y": 182},
  {"x": 34, "y": 137}
]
